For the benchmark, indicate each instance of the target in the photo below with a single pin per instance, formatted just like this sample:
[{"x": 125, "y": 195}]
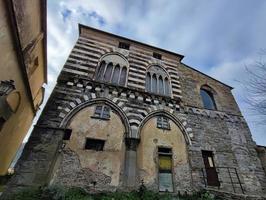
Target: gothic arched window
[
  {"x": 148, "y": 82},
  {"x": 207, "y": 99},
  {"x": 123, "y": 76},
  {"x": 113, "y": 68},
  {"x": 157, "y": 81},
  {"x": 154, "y": 83},
  {"x": 116, "y": 73}
]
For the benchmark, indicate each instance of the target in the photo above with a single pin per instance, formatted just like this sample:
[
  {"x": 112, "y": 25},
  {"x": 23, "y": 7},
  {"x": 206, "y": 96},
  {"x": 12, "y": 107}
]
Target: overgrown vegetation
[{"x": 60, "y": 193}]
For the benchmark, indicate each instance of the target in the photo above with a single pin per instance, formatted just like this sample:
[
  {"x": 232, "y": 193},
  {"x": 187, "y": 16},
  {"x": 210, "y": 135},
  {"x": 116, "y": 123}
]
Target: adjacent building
[
  {"x": 124, "y": 113},
  {"x": 23, "y": 71}
]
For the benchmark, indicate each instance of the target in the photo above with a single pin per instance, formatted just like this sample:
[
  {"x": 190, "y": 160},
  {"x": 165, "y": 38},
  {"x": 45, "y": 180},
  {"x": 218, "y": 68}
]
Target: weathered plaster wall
[
  {"x": 147, "y": 154},
  {"x": 103, "y": 167},
  {"x": 16, "y": 127}
]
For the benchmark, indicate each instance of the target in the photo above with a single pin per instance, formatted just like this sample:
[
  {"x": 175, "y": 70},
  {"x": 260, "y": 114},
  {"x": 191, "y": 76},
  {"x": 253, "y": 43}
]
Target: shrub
[{"x": 60, "y": 193}]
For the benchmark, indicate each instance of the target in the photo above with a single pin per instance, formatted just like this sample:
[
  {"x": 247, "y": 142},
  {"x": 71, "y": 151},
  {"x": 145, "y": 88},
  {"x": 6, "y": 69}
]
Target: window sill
[{"x": 165, "y": 129}]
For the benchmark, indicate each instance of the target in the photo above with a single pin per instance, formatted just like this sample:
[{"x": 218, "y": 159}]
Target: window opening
[
  {"x": 102, "y": 112},
  {"x": 165, "y": 170},
  {"x": 163, "y": 123},
  {"x": 94, "y": 144},
  {"x": 123, "y": 45},
  {"x": 67, "y": 134},
  {"x": 207, "y": 99},
  {"x": 157, "y": 55}
]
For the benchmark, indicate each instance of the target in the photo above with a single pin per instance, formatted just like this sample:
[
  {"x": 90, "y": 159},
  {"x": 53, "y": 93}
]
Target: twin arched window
[
  {"x": 112, "y": 69},
  {"x": 207, "y": 98},
  {"x": 157, "y": 81}
]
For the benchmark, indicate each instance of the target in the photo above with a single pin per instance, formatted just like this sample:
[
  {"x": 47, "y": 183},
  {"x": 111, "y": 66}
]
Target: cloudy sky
[{"x": 217, "y": 37}]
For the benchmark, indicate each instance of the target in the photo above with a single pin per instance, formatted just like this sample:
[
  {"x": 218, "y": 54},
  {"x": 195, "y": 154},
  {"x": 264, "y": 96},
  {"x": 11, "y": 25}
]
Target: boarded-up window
[
  {"x": 94, "y": 144},
  {"x": 165, "y": 170}
]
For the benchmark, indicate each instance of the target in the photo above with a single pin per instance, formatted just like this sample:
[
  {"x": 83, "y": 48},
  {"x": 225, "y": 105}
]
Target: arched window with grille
[
  {"x": 113, "y": 68},
  {"x": 207, "y": 98},
  {"x": 157, "y": 81}
]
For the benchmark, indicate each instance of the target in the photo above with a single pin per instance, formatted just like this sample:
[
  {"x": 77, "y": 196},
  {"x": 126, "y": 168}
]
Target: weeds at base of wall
[{"x": 60, "y": 193}]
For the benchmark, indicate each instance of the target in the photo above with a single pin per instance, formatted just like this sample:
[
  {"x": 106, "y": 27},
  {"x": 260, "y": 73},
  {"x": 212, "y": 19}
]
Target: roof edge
[
  {"x": 130, "y": 40},
  {"x": 154, "y": 47},
  {"x": 208, "y": 76}
]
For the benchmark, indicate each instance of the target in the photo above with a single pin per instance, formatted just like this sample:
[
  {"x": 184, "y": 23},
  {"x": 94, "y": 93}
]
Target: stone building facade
[
  {"x": 124, "y": 113},
  {"x": 23, "y": 72}
]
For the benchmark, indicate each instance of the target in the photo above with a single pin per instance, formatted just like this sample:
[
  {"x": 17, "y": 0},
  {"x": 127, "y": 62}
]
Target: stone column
[{"x": 131, "y": 162}]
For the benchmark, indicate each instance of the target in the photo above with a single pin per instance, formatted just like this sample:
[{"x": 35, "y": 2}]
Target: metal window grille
[
  {"x": 102, "y": 112},
  {"x": 163, "y": 123}
]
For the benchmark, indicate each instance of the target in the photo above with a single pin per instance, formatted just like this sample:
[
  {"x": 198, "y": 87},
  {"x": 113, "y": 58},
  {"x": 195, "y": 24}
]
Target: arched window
[
  {"x": 108, "y": 72},
  {"x": 161, "y": 88},
  {"x": 116, "y": 73},
  {"x": 113, "y": 68},
  {"x": 100, "y": 72},
  {"x": 166, "y": 87},
  {"x": 123, "y": 77},
  {"x": 157, "y": 81},
  {"x": 148, "y": 82},
  {"x": 154, "y": 84},
  {"x": 207, "y": 99}
]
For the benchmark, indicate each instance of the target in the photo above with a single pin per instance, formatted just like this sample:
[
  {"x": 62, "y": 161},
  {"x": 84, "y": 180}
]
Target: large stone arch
[
  {"x": 148, "y": 156},
  {"x": 182, "y": 125},
  {"x": 104, "y": 167},
  {"x": 106, "y": 101}
]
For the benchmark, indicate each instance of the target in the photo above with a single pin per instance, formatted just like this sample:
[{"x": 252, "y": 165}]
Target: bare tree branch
[{"x": 255, "y": 87}]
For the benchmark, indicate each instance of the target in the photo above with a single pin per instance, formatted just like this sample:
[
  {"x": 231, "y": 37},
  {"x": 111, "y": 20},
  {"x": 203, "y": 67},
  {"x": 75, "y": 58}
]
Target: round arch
[
  {"x": 170, "y": 116},
  {"x": 108, "y": 102},
  {"x": 159, "y": 66},
  {"x": 115, "y": 54}
]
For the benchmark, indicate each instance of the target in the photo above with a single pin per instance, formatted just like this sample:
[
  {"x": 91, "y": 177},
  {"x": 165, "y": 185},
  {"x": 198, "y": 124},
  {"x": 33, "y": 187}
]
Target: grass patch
[{"x": 60, "y": 193}]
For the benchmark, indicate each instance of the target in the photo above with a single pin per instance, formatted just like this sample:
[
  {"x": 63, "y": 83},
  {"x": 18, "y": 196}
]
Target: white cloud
[{"x": 217, "y": 37}]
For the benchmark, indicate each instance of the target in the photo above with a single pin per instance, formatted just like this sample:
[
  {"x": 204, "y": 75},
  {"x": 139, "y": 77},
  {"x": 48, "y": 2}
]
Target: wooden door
[{"x": 212, "y": 176}]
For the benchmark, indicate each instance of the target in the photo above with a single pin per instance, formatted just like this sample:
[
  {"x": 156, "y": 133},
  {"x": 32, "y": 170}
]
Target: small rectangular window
[
  {"x": 94, "y": 144},
  {"x": 164, "y": 150},
  {"x": 67, "y": 134},
  {"x": 102, "y": 112},
  {"x": 157, "y": 55},
  {"x": 123, "y": 45},
  {"x": 163, "y": 123}
]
